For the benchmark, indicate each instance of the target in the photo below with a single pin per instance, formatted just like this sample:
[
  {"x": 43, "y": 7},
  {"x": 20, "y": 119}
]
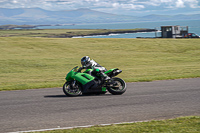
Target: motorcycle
[{"x": 80, "y": 83}]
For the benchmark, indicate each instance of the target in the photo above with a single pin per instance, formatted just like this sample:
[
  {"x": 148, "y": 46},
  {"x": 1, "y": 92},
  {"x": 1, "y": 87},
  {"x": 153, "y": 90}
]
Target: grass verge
[
  {"x": 179, "y": 125},
  {"x": 27, "y": 62}
]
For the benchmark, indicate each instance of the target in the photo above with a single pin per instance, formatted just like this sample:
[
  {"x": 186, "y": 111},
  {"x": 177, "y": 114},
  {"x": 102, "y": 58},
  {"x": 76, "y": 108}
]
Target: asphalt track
[{"x": 49, "y": 108}]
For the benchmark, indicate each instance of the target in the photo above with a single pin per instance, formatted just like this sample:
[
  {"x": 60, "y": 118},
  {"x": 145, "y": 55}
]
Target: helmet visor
[{"x": 83, "y": 63}]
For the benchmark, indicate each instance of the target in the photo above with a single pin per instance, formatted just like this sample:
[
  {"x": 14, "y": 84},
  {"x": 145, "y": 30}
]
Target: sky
[{"x": 121, "y": 7}]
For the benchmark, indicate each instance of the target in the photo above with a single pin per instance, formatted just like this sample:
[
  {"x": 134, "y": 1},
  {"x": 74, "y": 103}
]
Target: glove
[{"x": 80, "y": 68}]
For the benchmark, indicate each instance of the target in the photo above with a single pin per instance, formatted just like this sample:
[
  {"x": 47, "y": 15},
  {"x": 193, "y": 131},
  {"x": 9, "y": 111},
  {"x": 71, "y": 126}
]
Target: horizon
[{"x": 118, "y": 7}]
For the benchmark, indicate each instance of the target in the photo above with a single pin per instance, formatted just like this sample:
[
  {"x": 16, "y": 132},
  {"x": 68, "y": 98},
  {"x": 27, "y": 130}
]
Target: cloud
[
  {"x": 180, "y": 4},
  {"x": 127, "y": 6},
  {"x": 184, "y": 3},
  {"x": 193, "y": 3},
  {"x": 172, "y": 3},
  {"x": 130, "y": 4},
  {"x": 110, "y": 6}
]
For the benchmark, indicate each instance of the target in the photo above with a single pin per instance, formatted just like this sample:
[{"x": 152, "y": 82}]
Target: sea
[{"x": 193, "y": 26}]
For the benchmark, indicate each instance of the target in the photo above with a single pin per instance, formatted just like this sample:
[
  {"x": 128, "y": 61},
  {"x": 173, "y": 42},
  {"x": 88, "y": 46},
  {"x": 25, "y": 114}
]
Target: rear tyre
[
  {"x": 71, "y": 89},
  {"x": 118, "y": 87}
]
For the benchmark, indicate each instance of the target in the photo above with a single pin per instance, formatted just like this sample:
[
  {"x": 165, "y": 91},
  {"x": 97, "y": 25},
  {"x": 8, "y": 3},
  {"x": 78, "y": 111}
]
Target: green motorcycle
[{"x": 78, "y": 83}]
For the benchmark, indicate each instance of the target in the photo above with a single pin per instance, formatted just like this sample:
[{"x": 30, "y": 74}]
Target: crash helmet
[{"x": 85, "y": 61}]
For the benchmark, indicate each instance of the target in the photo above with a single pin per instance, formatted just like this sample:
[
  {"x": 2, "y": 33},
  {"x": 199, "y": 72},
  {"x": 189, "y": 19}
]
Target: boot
[{"x": 105, "y": 77}]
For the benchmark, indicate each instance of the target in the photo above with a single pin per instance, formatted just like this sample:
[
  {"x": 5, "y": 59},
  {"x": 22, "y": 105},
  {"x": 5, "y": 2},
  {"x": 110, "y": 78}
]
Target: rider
[{"x": 91, "y": 64}]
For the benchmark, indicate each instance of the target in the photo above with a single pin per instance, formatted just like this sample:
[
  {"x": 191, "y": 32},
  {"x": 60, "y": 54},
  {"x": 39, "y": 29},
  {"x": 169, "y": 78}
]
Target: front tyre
[
  {"x": 71, "y": 89},
  {"x": 117, "y": 87}
]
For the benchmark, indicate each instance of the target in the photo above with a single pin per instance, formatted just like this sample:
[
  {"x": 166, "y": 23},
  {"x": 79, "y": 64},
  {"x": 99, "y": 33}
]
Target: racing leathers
[{"x": 97, "y": 69}]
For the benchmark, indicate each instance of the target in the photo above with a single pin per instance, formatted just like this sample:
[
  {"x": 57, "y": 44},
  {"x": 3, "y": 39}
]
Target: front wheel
[
  {"x": 117, "y": 87},
  {"x": 71, "y": 89}
]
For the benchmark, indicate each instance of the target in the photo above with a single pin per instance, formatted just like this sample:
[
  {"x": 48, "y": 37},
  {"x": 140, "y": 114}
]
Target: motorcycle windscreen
[{"x": 83, "y": 78}]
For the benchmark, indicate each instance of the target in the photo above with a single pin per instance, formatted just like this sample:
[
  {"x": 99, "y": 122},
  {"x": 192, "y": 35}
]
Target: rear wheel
[
  {"x": 117, "y": 86},
  {"x": 72, "y": 89}
]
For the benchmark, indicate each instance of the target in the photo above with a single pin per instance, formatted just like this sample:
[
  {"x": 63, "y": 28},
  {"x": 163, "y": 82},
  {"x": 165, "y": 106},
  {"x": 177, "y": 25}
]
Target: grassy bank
[
  {"x": 65, "y": 33},
  {"x": 43, "y": 62},
  {"x": 178, "y": 125}
]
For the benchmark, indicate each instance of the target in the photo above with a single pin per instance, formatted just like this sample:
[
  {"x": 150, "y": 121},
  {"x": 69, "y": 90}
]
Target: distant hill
[{"x": 38, "y": 16}]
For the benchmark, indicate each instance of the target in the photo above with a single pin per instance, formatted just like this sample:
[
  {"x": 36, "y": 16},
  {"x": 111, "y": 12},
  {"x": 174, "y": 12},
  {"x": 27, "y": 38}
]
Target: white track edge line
[{"x": 63, "y": 128}]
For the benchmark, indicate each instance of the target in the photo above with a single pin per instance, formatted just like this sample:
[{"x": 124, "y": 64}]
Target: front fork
[{"x": 73, "y": 84}]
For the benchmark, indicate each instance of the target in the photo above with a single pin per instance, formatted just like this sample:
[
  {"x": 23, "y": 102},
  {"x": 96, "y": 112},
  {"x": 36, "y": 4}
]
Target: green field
[
  {"x": 27, "y": 62},
  {"x": 178, "y": 125}
]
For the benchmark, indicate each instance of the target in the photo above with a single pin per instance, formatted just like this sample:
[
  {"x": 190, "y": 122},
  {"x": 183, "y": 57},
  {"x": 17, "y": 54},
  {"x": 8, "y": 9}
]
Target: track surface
[{"x": 49, "y": 108}]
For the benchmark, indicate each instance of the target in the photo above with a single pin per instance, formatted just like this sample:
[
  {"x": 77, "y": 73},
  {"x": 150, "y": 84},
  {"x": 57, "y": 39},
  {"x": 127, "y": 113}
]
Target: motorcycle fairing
[
  {"x": 110, "y": 70},
  {"x": 83, "y": 78},
  {"x": 88, "y": 70},
  {"x": 92, "y": 86},
  {"x": 113, "y": 72}
]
